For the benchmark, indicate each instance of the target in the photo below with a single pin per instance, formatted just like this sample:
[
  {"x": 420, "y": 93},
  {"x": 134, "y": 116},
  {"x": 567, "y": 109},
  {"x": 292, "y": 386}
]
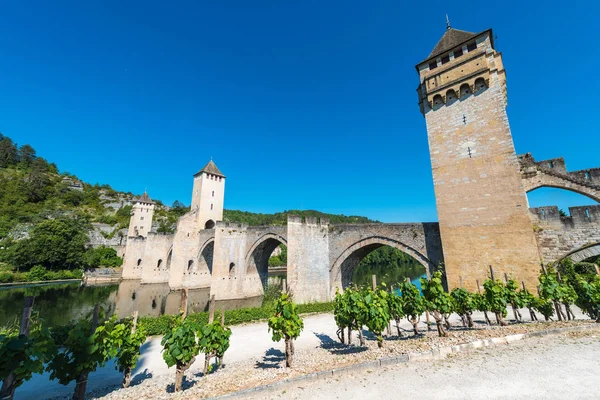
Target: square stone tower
[
  {"x": 208, "y": 195},
  {"x": 482, "y": 207},
  {"x": 142, "y": 213}
]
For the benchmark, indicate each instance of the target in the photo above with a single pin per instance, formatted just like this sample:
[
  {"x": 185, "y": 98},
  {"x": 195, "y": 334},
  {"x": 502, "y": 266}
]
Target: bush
[
  {"x": 37, "y": 273},
  {"x": 6, "y": 277}
]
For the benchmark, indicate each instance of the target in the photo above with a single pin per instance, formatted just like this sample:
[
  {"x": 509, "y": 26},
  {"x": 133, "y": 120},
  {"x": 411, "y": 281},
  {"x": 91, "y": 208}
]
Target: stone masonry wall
[{"x": 559, "y": 236}]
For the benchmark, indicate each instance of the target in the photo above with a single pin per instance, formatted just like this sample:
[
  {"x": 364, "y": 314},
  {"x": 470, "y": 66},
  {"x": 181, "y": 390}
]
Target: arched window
[
  {"x": 231, "y": 269},
  {"x": 190, "y": 265},
  {"x": 450, "y": 96},
  {"x": 158, "y": 264},
  {"x": 139, "y": 262},
  {"x": 480, "y": 84},
  {"x": 437, "y": 101},
  {"x": 209, "y": 224},
  {"x": 465, "y": 90}
]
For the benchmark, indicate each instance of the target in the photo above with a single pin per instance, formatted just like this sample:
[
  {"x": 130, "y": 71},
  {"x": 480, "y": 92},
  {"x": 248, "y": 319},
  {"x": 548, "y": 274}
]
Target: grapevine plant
[
  {"x": 21, "y": 356},
  {"x": 180, "y": 347},
  {"x": 286, "y": 324},
  {"x": 413, "y": 304},
  {"x": 213, "y": 341},
  {"x": 464, "y": 304},
  {"x": 496, "y": 297},
  {"x": 377, "y": 316},
  {"x": 437, "y": 300}
]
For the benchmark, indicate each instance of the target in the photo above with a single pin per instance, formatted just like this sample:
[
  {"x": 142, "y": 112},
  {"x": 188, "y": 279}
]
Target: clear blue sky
[{"x": 304, "y": 104}]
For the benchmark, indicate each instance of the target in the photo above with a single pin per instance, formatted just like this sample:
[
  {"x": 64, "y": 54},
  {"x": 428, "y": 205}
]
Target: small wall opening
[
  {"x": 465, "y": 90},
  {"x": 480, "y": 85},
  {"x": 190, "y": 265},
  {"x": 231, "y": 269},
  {"x": 159, "y": 264},
  {"x": 139, "y": 262},
  {"x": 437, "y": 101},
  {"x": 210, "y": 224},
  {"x": 450, "y": 96}
]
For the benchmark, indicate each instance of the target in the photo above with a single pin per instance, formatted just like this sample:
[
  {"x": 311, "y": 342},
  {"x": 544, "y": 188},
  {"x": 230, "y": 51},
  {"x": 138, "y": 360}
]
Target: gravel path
[
  {"x": 253, "y": 359},
  {"x": 563, "y": 367}
]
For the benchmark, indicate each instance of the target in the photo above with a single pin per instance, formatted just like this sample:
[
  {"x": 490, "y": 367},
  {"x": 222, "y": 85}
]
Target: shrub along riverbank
[{"x": 37, "y": 274}]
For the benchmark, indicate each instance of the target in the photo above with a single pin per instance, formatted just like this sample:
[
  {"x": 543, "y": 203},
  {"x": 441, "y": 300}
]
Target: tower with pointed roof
[
  {"x": 208, "y": 195},
  {"x": 482, "y": 207},
  {"x": 142, "y": 213}
]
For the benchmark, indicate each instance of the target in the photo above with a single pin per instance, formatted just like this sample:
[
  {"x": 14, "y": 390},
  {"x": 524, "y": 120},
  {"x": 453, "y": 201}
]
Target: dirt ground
[{"x": 560, "y": 367}]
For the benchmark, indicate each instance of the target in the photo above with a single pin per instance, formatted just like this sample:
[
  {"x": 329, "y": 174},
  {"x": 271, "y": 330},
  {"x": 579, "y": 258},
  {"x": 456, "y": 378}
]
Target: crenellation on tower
[{"x": 142, "y": 213}]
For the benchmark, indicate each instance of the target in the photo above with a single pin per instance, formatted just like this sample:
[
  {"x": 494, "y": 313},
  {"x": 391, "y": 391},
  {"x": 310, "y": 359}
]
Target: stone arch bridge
[{"x": 232, "y": 259}]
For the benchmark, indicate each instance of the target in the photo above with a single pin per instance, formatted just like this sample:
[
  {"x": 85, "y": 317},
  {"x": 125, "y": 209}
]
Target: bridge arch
[
  {"x": 204, "y": 260},
  {"x": 257, "y": 257},
  {"x": 557, "y": 184},
  {"x": 583, "y": 253},
  {"x": 344, "y": 265}
]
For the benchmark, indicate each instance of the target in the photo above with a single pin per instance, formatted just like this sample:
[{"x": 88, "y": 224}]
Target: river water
[{"x": 59, "y": 304}]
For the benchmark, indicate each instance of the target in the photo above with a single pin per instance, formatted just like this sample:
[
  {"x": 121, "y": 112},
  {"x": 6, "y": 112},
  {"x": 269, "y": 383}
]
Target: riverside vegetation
[{"x": 89, "y": 343}]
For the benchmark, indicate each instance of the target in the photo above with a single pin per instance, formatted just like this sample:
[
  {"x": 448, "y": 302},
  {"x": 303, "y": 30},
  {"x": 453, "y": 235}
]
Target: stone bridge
[
  {"x": 577, "y": 236},
  {"x": 553, "y": 173},
  {"x": 232, "y": 259}
]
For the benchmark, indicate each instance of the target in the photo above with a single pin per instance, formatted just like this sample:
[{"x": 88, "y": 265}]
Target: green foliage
[
  {"x": 342, "y": 313},
  {"x": 180, "y": 346},
  {"x": 437, "y": 300},
  {"x": 286, "y": 323},
  {"x": 279, "y": 260},
  {"x": 512, "y": 294},
  {"x": 413, "y": 303},
  {"x": 214, "y": 339},
  {"x": 255, "y": 219},
  {"x": 24, "y": 356},
  {"x": 53, "y": 244},
  {"x": 544, "y": 307},
  {"x": 389, "y": 264},
  {"x": 495, "y": 296},
  {"x": 82, "y": 351},
  {"x": 377, "y": 310},
  {"x": 102, "y": 256},
  {"x": 119, "y": 342},
  {"x": 463, "y": 301}
]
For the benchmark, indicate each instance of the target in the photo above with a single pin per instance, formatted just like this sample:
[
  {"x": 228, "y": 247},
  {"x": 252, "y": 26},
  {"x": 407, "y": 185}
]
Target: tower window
[
  {"x": 141, "y": 218},
  {"x": 139, "y": 261},
  {"x": 432, "y": 65},
  {"x": 211, "y": 206},
  {"x": 446, "y": 59},
  {"x": 458, "y": 53},
  {"x": 213, "y": 193},
  {"x": 158, "y": 264},
  {"x": 471, "y": 46}
]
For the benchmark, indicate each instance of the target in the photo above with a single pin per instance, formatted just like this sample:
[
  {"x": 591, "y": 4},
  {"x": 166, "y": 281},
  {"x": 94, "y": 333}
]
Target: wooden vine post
[
  {"x": 211, "y": 319},
  {"x": 8, "y": 384}
]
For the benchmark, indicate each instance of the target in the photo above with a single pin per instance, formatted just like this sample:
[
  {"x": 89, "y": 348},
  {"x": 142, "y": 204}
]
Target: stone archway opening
[
  {"x": 210, "y": 224},
  {"x": 389, "y": 264},
  {"x": 268, "y": 259},
  {"x": 205, "y": 259},
  {"x": 561, "y": 197}
]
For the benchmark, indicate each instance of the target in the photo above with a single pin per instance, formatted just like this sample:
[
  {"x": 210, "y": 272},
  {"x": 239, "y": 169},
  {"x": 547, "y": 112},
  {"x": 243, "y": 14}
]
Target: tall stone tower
[
  {"x": 482, "y": 207},
  {"x": 208, "y": 195},
  {"x": 142, "y": 212}
]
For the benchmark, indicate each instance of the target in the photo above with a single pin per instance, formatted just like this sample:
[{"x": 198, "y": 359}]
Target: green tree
[
  {"x": 286, "y": 324},
  {"x": 54, "y": 244},
  {"x": 8, "y": 153},
  {"x": 102, "y": 256},
  {"x": 26, "y": 155}
]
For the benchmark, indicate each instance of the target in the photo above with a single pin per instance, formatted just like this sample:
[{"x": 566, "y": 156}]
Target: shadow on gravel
[
  {"x": 335, "y": 347},
  {"x": 272, "y": 359},
  {"x": 185, "y": 384},
  {"x": 139, "y": 378}
]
